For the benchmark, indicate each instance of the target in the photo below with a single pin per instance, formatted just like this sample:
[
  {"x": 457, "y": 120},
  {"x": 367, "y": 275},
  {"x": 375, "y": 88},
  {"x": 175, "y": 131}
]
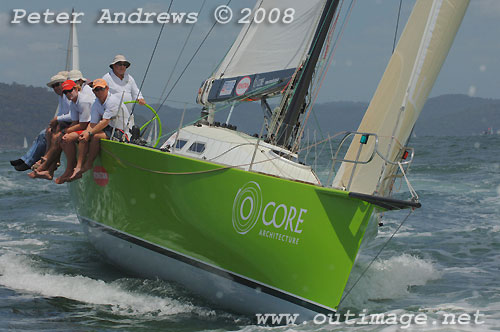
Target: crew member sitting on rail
[
  {"x": 81, "y": 104},
  {"x": 108, "y": 114},
  {"x": 45, "y": 167}
]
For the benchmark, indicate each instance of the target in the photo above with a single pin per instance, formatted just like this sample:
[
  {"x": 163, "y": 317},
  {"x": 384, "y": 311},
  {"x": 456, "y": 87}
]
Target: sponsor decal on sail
[
  {"x": 243, "y": 85},
  {"x": 227, "y": 88}
]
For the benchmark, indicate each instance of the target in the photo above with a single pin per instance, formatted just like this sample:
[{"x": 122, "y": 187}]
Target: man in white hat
[
  {"x": 119, "y": 81},
  {"x": 76, "y": 76},
  {"x": 39, "y": 146}
]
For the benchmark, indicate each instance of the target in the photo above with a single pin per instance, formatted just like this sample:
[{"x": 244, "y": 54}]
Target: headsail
[
  {"x": 401, "y": 94},
  {"x": 265, "y": 55}
]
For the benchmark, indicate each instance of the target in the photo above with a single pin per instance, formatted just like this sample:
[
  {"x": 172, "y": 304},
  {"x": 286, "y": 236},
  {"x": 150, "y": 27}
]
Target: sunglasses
[
  {"x": 99, "y": 89},
  {"x": 122, "y": 64},
  {"x": 55, "y": 85},
  {"x": 68, "y": 91}
]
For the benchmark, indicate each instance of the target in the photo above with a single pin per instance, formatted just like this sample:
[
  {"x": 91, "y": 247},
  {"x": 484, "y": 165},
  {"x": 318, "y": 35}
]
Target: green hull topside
[{"x": 298, "y": 238}]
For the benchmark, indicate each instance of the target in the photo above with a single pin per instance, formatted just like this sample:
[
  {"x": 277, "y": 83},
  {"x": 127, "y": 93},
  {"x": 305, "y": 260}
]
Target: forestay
[
  {"x": 265, "y": 55},
  {"x": 401, "y": 94}
]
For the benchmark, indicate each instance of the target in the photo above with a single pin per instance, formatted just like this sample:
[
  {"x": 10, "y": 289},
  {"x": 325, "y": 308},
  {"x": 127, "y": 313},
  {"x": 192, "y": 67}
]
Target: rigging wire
[
  {"x": 180, "y": 54},
  {"x": 189, "y": 62},
  {"x": 397, "y": 25},
  {"x": 151, "y": 59},
  {"x": 322, "y": 75},
  {"x": 373, "y": 260}
]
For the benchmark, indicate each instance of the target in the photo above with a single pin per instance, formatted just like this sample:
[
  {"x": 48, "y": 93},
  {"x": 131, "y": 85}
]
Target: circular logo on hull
[
  {"x": 100, "y": 176},
  {"x": 246, "y": 207},
  {"x": 243, "y": 85}
]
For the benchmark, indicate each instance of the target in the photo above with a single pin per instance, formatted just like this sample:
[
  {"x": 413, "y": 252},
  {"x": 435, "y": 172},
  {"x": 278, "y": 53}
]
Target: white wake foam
[
  {"x": 19, "y": 273},
  {"x": 389, "y": 279}
]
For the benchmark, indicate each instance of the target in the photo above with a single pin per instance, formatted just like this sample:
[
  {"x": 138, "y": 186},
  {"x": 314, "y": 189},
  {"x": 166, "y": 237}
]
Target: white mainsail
[
  {"x": 266, "y": 47},
  {"x": 73, "y": 53},
  {"x": 401, "y": 94}
]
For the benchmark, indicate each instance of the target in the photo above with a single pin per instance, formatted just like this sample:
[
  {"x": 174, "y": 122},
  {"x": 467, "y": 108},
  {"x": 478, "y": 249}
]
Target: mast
[{"x": 297, "y": 104}]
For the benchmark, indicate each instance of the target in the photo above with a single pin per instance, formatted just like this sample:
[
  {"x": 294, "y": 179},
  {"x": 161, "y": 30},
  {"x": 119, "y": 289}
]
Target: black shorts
[{"x": 118, "y": 133}]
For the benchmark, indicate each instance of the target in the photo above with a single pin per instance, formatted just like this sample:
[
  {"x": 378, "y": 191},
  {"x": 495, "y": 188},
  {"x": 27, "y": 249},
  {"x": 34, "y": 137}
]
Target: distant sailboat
[{"x": 25, "y": 144}]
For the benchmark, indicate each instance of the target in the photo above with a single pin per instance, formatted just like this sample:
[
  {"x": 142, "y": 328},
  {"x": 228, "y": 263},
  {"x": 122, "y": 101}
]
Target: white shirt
[
  {"x": 118, "y": 86},
  {"x": 87, "y": 90},
  {"x": 80, "y": 111},
  {"x": 63, "y": 110},
  {"x": 110, "y": 110}
]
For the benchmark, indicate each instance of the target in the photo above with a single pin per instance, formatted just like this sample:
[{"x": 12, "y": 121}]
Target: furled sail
[
  {"x": 72, "y": 55},
  {"x": 400, "y": 96},
  {"x": 265, "y": 55}
]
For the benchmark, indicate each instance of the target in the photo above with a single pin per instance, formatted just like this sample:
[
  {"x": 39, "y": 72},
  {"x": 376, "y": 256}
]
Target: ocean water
[{"x": 443, "y": 262}]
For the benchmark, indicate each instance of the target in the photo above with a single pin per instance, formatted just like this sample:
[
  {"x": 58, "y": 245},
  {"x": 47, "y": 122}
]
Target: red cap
[{"x": 68, "y": 85}]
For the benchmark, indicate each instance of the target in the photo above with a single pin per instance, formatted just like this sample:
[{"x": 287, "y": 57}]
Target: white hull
[{"x": 151, "y": 261}]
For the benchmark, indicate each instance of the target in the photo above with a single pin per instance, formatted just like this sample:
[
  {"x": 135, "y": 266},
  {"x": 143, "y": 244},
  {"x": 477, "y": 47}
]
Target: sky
[{"x": 30, "y": 53}]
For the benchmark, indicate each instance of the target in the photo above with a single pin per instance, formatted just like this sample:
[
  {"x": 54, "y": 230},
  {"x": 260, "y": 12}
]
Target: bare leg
[
  {"x": 69, "y": 148},
  {"x": 95, "y": 146},
  {"x": 83, "y": 148}
]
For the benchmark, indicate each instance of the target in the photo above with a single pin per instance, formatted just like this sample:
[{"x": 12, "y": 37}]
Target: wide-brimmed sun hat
[
  {"x": 119, "y": 58},
  {"x": 76, "y": 75},
  {"x": 64, "y": 73},
  {"x": 56, "y": 79}
]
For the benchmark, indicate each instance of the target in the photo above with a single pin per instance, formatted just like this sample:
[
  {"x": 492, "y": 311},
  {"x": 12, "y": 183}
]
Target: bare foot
[
  {"x": 38, "y": 163},
  {"x": 32, "y": 174},
  {"x": 77, "y": 173},
  {"x": 61, "y": 180},
  {"x": 44, "y": 175}
]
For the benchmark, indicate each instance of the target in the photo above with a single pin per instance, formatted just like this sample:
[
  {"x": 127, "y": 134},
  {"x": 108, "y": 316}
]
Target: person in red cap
[
  {"x": 80, "y": 110},
  {"x": 48, "y": 166},
  {"x": 109, "y": 118}
]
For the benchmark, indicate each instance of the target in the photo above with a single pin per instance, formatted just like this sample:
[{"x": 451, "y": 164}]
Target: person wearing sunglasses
[
  {"x": 81, "y": 104},
  {"x": 40, "y": 145},
  {"x": 108, "y": 120},
  {"x": 119, "y": 81}
]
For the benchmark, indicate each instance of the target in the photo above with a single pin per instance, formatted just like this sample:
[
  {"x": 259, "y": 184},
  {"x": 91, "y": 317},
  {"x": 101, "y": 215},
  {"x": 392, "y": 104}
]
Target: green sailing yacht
[{"x": 238, "y": 219}]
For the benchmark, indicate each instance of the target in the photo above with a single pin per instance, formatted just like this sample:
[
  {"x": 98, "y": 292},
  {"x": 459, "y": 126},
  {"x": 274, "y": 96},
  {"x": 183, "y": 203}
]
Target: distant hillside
[{"x": 25, "y": 110}]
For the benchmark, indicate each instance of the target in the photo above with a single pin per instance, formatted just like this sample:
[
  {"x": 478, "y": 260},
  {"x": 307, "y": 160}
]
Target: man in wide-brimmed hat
[
  {"x": 119, "y": 81},
  {"x": 76, "y": 76},
  {"x": 39, "y": 146},
  {"x": 48, "y": 163}
]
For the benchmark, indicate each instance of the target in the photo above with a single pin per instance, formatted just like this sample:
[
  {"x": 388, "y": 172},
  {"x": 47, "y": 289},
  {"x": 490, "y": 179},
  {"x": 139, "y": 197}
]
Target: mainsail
[
  {"x": 400, "y": 96},
  {"x": 72, "y": 54},
  {"x": 265, "y": 55}
]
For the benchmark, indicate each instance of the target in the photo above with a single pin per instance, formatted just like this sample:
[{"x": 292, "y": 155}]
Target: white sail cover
[
  {"x": 401, "y": 94},
  {"x": 267, "y": 48}
]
